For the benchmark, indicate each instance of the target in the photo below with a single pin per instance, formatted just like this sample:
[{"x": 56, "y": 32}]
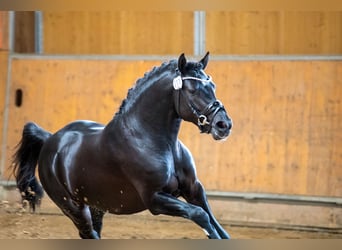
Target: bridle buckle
[{"x": 202, "y": 120}]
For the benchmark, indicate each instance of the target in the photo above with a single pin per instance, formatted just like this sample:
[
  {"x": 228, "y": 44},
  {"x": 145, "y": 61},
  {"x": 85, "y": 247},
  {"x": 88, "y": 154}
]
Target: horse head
[{"x": 195, "y": 99}]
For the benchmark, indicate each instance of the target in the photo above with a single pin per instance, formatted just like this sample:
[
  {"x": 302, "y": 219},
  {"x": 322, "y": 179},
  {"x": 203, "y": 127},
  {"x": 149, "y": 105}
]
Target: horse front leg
[
  {"x": 164, "y": 203},
  {"x": 196, "y": 195}
]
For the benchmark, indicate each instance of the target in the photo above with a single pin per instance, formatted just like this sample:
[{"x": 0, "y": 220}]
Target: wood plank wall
[
  {"x": 124, "y": 32},
  {"x": 287, "y": 117},
  {"x": 242, "y": 33},
  {"x": 274, "y": 32},
  {"x": 4, "y": 30},
  {"x": 4, "y": 47}
]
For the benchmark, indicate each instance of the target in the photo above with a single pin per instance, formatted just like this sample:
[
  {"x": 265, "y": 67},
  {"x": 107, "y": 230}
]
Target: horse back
[
  {"x": 82, "y": 126},
  {"x": 71, "y": 140}
]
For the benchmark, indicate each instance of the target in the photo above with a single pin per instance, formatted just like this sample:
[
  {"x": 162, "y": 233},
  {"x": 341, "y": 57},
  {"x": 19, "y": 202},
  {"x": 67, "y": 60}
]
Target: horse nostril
[{"x": 221, "y": 125}]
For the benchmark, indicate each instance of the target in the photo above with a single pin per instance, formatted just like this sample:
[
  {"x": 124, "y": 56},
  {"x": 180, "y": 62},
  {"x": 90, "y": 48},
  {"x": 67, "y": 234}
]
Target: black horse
[{"x": 136, "y": 162}]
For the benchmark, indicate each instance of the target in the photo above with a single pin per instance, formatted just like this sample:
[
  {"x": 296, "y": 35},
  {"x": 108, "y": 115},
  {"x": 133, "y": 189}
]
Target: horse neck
[{"x": 152, "y": 111}]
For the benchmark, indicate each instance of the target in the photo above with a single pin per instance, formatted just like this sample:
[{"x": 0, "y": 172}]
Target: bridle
[{"x": 212, "y": 109}]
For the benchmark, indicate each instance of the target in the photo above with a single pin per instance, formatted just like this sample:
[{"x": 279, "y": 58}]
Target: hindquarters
[{"x": 65, "y": 166}]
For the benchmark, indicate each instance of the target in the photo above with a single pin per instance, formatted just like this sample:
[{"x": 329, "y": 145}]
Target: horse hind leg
[
  {"x": 81, "y": 216},
  {"x": 97, "y": 218},
  {"x": 78, "y": 212}
]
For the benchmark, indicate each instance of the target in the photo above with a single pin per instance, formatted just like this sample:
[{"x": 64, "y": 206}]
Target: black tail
[{"x": 25, "y": 161}]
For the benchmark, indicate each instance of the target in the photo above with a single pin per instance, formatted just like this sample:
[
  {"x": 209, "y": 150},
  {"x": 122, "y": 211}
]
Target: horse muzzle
[
  {"x": 221, "y": 126},
  {"x": 214, "y": 120}
]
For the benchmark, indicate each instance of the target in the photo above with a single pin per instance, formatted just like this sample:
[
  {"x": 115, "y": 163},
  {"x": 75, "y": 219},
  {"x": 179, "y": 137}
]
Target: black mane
[{"x": 143, "y": 82}]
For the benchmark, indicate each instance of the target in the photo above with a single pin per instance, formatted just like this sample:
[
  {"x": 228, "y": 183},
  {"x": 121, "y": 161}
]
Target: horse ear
[
  {"x": 181, "y": 63},
  {"x": 204, "y": 60}
]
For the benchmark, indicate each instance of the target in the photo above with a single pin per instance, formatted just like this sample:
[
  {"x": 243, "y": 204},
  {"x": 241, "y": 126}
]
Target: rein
[{"x": 202, "y": 116}]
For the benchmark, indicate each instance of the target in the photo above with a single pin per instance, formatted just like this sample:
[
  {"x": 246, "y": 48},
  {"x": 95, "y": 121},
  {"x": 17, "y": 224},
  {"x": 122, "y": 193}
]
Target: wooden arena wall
[
  {"x": 120, "y": 32},
  {"x": 170, "y": 32},
  {"x": 274, "y": 32},
  {"x": 226, "y": 32},
  {"x": 287, "y": 114},
  {"x": 3, "y": 75}
]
